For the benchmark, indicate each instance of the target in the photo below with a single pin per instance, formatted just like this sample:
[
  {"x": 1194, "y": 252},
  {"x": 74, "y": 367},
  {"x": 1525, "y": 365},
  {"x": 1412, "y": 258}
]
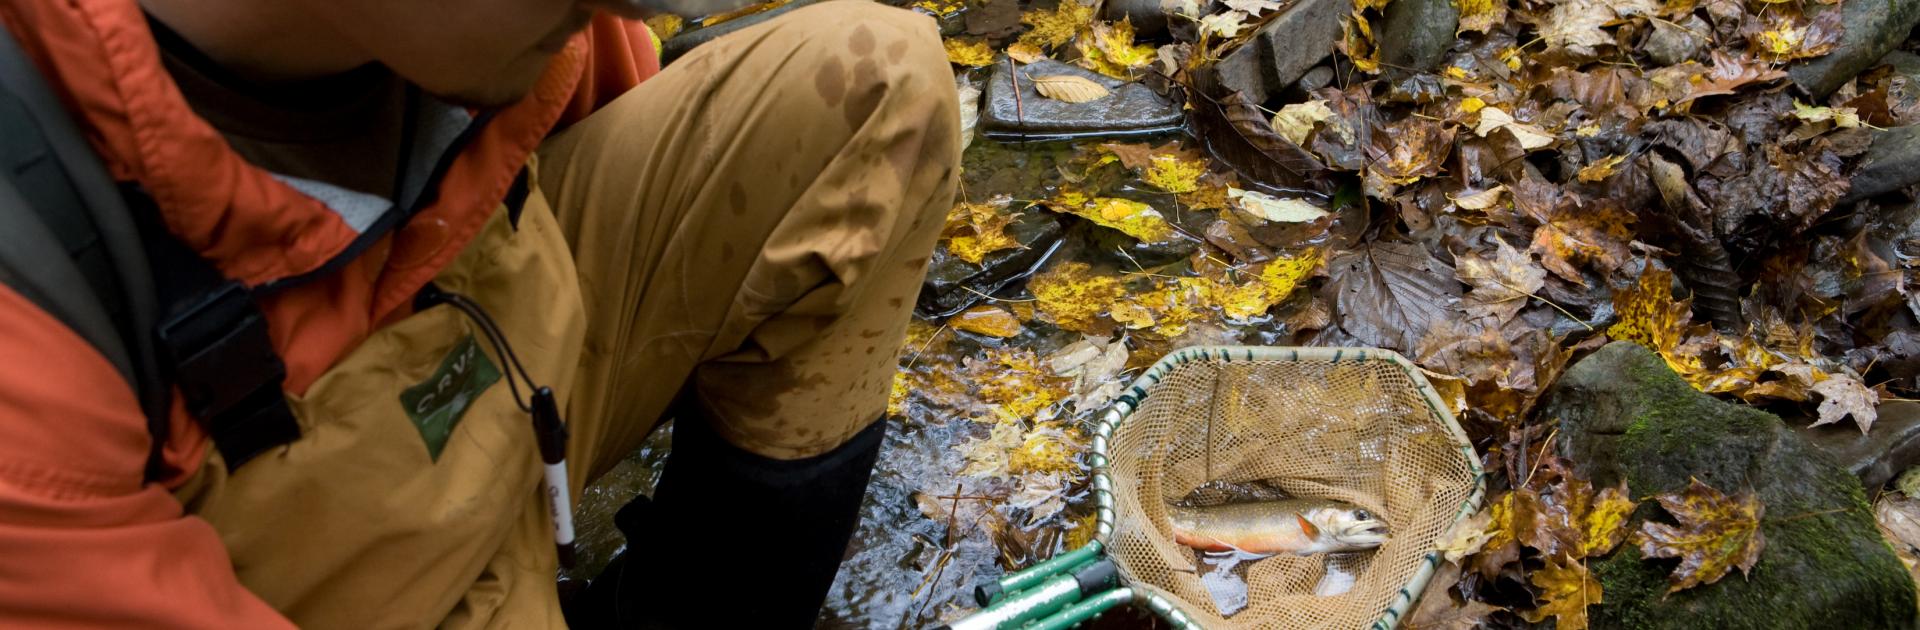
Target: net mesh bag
[{"x": 1357, "y": 429}]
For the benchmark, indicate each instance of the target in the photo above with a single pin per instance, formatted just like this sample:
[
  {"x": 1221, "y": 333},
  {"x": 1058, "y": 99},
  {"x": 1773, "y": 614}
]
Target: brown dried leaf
[
  {"x": 1731, "y": 73},
  {"x": 1843, "y": 395},
  {"x": 1716, "y": 535},
  {"x": 1568, "y": 589},
  {"x": 1437, "y": 610},
  {"x": 1413, "y": 148},
  {"x": 1501, "y": 285},
  {"x": 1069, "y": 88},
  {"x": 1389, "y": 294},
  {"x": 1595, "y": 236},
  {"x": 1236, "y": 133}
]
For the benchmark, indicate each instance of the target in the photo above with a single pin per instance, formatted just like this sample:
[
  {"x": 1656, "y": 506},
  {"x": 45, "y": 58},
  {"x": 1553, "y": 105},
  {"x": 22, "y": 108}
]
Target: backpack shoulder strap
[
  {"x": 67, "y": 241},
  {"x": 94, "y": 255}
]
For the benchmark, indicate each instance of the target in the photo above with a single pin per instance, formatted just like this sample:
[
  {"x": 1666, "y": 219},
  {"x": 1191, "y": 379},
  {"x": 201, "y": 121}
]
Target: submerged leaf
[
  {"x": 976, "y": 229},
  {"x": 1273, "y": 208},
  {"x": 991, "y": 321},
  {"x": 1073, "y": 297}
]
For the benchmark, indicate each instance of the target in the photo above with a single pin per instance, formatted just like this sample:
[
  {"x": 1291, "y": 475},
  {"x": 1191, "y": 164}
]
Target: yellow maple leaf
[
  {"x": 974, "y": 230},
  {"x": 1109, "y": 49},
  {"x": 1047, "y": 448},
  {"x": 1605, "y": 523},
  {"x": 1167, "y": 308},
  {"x": 1601, "y": 169},
  {"x": 1716, "y": 535},
  {"x": 1054, "y": 28},
  {"x": 1358, "y": 43},
  {"x": 1480, "y": 15},
  {"x": 1017, "y": 382},
  {"x": 971, "y": 53},
  {"x": 938, "y": 7},
  {"x": 1173, "y": 174},
  {"x": 1568, "y": 589},
  {"x": 1133, "y": 218},
  {"x": 1074, "y": 298},
  {"x": 1082, "y": 531},
  {"x": 1472, "y": 104},
  {"x": 1274, "y": 281},
  {"x": 988, "y": 320},
  {"x": 665, "y": 25},
  {"x": 1647, "y": 314}
]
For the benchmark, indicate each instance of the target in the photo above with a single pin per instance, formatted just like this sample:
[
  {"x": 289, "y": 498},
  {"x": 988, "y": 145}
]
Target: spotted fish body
[{"x": 1265, "y": 528}]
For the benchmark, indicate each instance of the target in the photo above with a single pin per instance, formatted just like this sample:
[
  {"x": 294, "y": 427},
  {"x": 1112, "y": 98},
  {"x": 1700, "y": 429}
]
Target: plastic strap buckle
[{"x": 228, "y": 373}]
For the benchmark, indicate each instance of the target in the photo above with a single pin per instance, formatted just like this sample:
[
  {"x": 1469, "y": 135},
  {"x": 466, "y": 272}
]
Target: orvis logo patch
[{"x": 436, "y": 404}]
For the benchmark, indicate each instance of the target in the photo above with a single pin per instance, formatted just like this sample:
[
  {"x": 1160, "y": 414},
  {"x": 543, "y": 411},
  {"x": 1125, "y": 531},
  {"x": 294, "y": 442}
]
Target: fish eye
[{"x": 1363, "y": 515}]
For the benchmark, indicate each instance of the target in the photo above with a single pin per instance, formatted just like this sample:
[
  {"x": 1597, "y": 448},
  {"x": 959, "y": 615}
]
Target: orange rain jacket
[{"x": 85, "y": 541}]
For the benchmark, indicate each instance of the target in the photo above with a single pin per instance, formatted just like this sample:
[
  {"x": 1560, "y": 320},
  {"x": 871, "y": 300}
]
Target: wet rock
[
  {"x": 1318, "y": 77},
  {"x": 1891, "y": 447},
  {"x": 1126, "y": 251},
  {"x": 1285, "y": 48},
  {"x": 1132, "y": 108},
  {"x": 1873, "y": 27},
  {"x": 953, "y": 284},
  {"x": 1892, "y": 163},
  {"x": 1624, "y": 415},
  {"x": 679, "y": 45},
  {"x": 993, "y": 18},
  {"x": 1149, "y": 17},
  {"x": 1415, "y": 36},
  {"x": 1903, "y": 88},
  {"x": 1673, "y": 42}
]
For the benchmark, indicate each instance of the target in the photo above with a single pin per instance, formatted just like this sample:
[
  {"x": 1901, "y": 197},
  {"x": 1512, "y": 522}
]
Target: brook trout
[{"x": 1264, "y": 528}]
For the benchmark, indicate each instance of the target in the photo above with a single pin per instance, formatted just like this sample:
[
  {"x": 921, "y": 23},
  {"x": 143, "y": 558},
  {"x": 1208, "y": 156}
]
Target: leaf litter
[{"x": 1573, "y": 172}]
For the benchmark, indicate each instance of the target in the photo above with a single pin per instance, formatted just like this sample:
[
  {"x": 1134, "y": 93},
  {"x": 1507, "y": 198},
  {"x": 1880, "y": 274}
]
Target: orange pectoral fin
[{"x": 1313, "y": 533}]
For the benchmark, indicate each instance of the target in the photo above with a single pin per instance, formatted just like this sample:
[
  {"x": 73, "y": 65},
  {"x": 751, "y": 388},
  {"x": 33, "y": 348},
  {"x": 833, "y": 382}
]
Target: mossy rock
[{"x": 1624, "y": 415}]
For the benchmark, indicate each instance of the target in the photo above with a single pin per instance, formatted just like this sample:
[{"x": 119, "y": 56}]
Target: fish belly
[{"x": 1228, "y": 528}]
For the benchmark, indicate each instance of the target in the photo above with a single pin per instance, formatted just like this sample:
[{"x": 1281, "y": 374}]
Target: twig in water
[
  {"x": 1019, "y": 112},
  {"x": 923, "y": 347},
  {"x": 995, "y": 299}
]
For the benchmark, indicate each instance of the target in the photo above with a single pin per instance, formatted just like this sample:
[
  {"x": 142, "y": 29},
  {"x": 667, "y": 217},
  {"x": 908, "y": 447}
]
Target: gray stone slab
[
  {"x": 1415, "y": 36},
  {"x": 1873, "y": 27},
  {"x": 1892, "y": 163},
  {"x": 1876, "y": 456},
  {"x": 1132, "y": 107},
  {"x": 1285, "y": 48}
]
